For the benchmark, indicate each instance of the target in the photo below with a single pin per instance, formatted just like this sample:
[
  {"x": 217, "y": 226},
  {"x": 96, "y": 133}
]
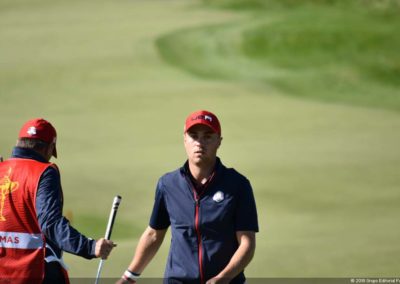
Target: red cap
[
  {"x": 40, "y": 129},
  {"x": 203, "y": 117}
]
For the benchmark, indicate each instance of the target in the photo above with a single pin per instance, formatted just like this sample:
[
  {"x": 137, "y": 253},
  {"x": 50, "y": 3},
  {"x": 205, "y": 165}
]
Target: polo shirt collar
[{"x": 23, "y": 153}]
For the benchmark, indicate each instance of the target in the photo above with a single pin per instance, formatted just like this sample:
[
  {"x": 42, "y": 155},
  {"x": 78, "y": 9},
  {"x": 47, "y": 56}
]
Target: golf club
[{"x": 111, "y": 219}]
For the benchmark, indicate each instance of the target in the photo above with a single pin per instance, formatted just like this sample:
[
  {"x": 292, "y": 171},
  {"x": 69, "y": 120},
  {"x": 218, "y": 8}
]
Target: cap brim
[
  {"x": 55, "y": 151},
  {"x": 202, "y": 123}
]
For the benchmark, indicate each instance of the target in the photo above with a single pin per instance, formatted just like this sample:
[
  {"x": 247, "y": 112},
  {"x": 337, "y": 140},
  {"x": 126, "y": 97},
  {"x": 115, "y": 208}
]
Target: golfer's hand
[
  {"x": 216, "y": 280},
  {"x": 103, "y": 248},
  {"x": 122, "y": 281}
]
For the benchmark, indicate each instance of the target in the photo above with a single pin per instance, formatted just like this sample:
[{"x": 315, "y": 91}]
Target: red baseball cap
[
  {"x": 203, "y": 117},
  {"x": 41, "y": 129}
]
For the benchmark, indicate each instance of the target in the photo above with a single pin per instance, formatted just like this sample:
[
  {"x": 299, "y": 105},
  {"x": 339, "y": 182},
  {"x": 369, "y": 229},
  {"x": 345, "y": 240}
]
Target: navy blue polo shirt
[{"x": 203, "y": 228}]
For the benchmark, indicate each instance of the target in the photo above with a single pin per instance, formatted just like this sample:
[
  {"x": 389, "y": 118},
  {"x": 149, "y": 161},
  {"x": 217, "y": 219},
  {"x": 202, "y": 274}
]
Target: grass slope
[
  {"x": 323, "y": 50},
  {"x": 325, "y": 175}
]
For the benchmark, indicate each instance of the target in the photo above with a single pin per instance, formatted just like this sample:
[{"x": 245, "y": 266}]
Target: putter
[{"x": 111, "y": 219}]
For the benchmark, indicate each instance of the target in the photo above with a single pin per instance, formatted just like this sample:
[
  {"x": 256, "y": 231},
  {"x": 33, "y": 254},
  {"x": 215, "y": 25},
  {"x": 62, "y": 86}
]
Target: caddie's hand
[{"x": 103, "y": 248}]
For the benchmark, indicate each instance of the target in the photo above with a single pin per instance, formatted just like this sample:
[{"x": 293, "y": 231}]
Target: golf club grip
[{"x": 111, "y": 219}]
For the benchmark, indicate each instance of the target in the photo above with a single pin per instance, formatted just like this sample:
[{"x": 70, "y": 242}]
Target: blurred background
[{"x": 307, "y": 92}]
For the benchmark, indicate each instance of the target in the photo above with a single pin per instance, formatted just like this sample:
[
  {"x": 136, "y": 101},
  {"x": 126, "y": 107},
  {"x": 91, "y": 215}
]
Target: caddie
[
  {"x": 211, "y": 211},
  {"x": 33, "y": 231}
]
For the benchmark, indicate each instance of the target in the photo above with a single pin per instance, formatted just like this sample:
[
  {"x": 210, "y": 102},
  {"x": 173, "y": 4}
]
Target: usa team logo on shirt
[{"x": 218, "y": 196}]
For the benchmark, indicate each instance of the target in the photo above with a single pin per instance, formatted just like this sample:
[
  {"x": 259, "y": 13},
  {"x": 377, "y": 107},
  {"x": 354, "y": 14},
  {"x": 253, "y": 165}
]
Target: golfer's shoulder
[
  {"x": 170, "y": 178},
  {"x": 234, "y": 176},
  {"x": 238, "y": 184}
]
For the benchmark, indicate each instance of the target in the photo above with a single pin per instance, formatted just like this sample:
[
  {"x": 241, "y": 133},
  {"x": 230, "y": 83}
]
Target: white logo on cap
[
  {"x": 218, "y": 196},
  {"x": 207, "y": 117},
  {"x": 32, "y": 130}
]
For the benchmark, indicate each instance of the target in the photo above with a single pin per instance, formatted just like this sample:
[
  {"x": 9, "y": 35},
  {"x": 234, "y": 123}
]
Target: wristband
[{"x": 130, "y": 276}]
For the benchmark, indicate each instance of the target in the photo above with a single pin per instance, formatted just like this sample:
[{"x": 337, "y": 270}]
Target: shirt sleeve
[
  {"x": 56, "y": 228},
  {"x": 159, "y": 219},
  {"x": 246, "y": 214}
]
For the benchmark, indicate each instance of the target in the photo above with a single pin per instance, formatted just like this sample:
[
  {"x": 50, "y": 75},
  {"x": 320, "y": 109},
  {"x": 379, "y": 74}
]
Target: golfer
[
  {"x": 33, "y": 232},
  {"x": 211, "y": 211}
]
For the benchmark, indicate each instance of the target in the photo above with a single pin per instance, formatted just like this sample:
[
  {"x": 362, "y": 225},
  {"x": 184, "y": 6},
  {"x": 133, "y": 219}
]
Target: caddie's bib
[{"x": 22, "y": 244}]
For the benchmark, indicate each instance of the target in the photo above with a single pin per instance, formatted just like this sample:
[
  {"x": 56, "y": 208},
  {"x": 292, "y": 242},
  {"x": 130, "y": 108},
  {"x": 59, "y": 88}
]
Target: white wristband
[{"x": 131, "y": 275}]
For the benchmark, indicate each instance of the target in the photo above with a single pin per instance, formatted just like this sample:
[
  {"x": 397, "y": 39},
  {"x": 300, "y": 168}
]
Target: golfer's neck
[{"x": 201, "y": 172}]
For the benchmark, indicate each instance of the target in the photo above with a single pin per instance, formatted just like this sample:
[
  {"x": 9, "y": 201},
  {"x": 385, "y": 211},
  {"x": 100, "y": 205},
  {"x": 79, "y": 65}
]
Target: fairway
[{"x": 325, "y": 172}]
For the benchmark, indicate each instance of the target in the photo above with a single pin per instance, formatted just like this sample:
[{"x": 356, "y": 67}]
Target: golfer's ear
[{"x": 220, "y": 141}]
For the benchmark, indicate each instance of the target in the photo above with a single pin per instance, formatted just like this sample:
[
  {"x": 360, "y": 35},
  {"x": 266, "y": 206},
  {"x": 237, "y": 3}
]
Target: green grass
[
  {"x": 324, "y": 170},
  {"x": 324, "y": 50},
  {"x": 255, "y": 5}
]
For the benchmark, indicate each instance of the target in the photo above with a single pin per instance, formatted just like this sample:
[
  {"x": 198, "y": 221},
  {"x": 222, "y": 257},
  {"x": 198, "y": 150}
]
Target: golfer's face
[{"x": 201, "y": 144}]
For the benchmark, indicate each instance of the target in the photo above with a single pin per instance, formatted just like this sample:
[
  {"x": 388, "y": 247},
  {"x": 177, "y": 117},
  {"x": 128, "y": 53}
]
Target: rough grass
[
  {"x": 386, "y": 5},
  {"x": 323, "y": 50}
]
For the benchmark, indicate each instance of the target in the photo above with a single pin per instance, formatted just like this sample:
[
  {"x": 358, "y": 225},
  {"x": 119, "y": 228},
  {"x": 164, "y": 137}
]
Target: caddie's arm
[
  {"x": 240, "y": 259},
  {"x": 148, "y": 245},
  {"x": 57, "y": 228}
]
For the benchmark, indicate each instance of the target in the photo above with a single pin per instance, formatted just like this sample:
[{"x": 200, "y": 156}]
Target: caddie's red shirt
[{"x": 22, "y": 244}]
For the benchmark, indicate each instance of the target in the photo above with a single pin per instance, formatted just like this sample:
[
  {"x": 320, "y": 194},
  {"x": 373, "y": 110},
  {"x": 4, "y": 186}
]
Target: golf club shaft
[
  {"x": 99, "y": 271},
  {"x": 110, "y": 224}
]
